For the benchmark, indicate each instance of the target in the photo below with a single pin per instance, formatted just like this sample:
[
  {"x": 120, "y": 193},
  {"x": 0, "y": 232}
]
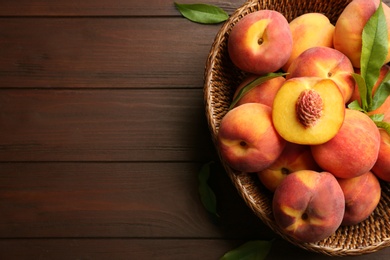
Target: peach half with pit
[
  {"x": 354, "y": 150},
  {"x": 294, "y": 158},
  {"x": 308, "y": 205},
  {"x": 327, "y": 63},
  {"x": 362, "y": 195},
  {"x": 261, "y": 42},
  {"x": 263, "y": 93},
  {"x": 247, "y": 139},
  {"x": 308, "y": 110}
]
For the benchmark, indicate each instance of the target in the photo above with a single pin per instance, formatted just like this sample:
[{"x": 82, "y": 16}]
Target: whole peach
[
  {"x": 328, "y": 63},
  {"x": 308, "y": 205},
  {"x": 247, "y": 139},
  {"x": 309, "y": 30},
  {"x": 362, "y": 195},
  {"x": 260, "y": 42},
  {"x": 354, "y": 149}
]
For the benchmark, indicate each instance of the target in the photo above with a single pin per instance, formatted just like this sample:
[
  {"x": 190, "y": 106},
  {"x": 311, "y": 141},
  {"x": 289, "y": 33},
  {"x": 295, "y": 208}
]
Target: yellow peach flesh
[{"x": 284, "y": 112}]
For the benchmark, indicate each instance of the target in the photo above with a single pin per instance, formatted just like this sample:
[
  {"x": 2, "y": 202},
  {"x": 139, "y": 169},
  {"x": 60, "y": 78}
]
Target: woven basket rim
[{"x": 215, "y": 109}]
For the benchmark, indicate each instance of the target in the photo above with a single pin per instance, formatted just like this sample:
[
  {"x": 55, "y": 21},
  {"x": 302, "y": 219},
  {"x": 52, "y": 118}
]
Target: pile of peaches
[{"x": 322, "y": 161}]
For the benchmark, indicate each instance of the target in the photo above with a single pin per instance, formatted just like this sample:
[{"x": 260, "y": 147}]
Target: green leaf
[
  {"x": 382, "y": 92},
  {"x": 252, "y": 250},
  {"x": 207, "y": 195},
  {"x": 361, "y": 83},
  {"x": 384, "y": 125},
  {"x": 374, "y": 51},
  {"x": 202, "y": 13},
  {"x": 377, "y": 117},
  {"x": 254, "y": 83},
  {"x": 355, "y": 106}
]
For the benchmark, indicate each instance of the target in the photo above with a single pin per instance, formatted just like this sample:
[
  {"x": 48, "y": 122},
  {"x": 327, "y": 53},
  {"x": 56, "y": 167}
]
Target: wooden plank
[
  {"x": 102, "y": 7},
  {"x": 103, "y": 125},
  {"x": 103, "y": 52},
  {"x": 129, "y": 200},
  {"x": 106, "y": 7},
  {"x": 118, "y": 249},
  {"x": 169, "y": 249}
]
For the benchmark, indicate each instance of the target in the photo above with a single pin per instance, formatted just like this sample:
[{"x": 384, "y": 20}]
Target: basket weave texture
[{"x": 221, "y": 80}]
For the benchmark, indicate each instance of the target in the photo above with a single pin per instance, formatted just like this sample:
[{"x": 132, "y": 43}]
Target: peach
[
  {"x": 263, "y": 93},
  {"x": 354, "y": 149},
  {"x": 260, "y": 42},
  {"x": 349, "y": 27},
  {"x": 381, "y": 167},
  {"x": 309, "y": 30},
  {"x": 308, "y": 205},
  {"x": 362, "y": 195},
  {"x": 247, "y": 139},
  {"x": 328, "y": 63},
  {"x": 294, "y": 158},
  {"x": 308, "y": 110}
]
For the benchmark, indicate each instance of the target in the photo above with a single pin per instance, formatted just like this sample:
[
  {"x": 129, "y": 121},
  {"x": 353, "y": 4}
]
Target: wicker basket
[{"x": 221, "y": 79}]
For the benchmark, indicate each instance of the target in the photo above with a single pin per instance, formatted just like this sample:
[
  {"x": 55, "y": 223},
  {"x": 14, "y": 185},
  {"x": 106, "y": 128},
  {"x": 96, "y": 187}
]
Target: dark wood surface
[{"x": 103, "y": 133}]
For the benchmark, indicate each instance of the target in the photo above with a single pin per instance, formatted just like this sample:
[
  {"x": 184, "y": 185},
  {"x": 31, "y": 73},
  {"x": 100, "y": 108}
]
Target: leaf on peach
[
  {"x": 382, "y": 92},
  {"x": 254, "y": 83},
  {"x": 384, "y": 125},
  {"x": 362, "y": 87},
  {"x": 374, "y": 51}
]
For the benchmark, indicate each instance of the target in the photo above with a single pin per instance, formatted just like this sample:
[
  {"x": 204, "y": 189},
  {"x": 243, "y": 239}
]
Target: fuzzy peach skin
[
  {"x": 263, "y": 93},
  {"x": 362, "y": 195},
  {"x": 247, "y": 139},
  {"x": 349, "y": 27},
  {"x": 308, "y": 205},
  {"x": 309, "y": 30},
  {"x": 381, "y": 167},
  {"x": 326, "y": 63},
  {"x": 354, "y": 149},
  {"x": 261, "y": 42},
  {"x": 294, "y": 158}
]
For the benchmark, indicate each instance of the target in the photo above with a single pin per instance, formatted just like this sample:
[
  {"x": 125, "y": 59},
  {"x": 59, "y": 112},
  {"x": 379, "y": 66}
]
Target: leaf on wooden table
[
  {"x": 252, "y": 250},
  {"x": 202, "y": 13},
  {"x": 207, "y": 195}
]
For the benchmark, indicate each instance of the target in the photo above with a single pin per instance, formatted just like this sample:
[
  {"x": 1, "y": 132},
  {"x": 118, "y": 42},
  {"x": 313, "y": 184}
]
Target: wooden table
[{"x": 103, "y": 133}]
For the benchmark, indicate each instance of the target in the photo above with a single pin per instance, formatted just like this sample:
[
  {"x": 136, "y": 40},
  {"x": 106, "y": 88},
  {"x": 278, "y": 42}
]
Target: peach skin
[
  {"x": 308, "y": 205},
  {"x": 247, "y": 139}
]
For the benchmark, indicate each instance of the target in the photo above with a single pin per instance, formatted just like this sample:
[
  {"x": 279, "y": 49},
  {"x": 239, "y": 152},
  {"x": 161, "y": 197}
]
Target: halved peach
[{"x": 308, "y": 110}]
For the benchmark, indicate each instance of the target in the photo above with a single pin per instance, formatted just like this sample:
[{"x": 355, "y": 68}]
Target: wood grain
[
  {"x": 103, "y": 133},
  {"x": 103, "y": 53},
  {"x": 128, "y": 200},
  {"x": 167, "y": 249},
  {"x": 103, "y": 8},
  {"x": 103, "y": 125}
]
